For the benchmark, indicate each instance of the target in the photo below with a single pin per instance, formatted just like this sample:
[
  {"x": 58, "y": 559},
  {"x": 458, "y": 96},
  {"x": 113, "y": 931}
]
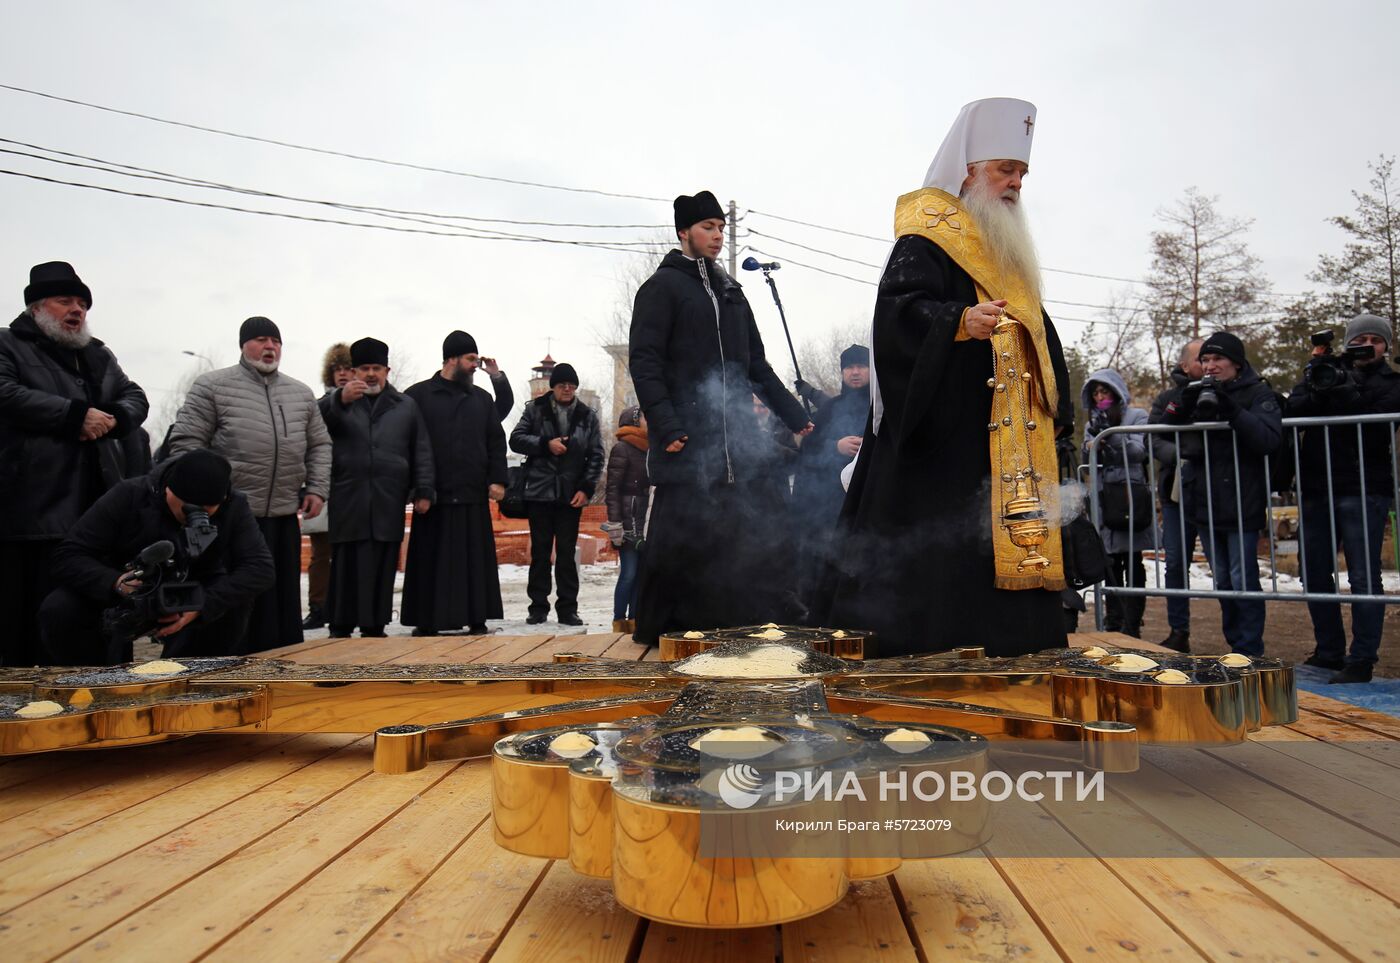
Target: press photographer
[
  {"x": 111, "y": 568},
  {"x": 1357, "y": 382},
  {"x": 1223, "y": 476}
]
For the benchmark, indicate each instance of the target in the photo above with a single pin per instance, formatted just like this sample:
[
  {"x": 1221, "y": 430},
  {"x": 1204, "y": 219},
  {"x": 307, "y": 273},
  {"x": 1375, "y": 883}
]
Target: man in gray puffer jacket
[{"x": 270, "y": 428}]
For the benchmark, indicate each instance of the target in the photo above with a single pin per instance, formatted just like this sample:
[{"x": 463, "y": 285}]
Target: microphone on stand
[{"x": 754, "y": 264}]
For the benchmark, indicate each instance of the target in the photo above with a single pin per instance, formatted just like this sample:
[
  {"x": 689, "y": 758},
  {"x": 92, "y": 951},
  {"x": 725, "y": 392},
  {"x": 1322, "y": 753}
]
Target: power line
[
  {"x": 813, "y": 267},
  {"x": 324, "y": 150},
  {"x": 145, "y": 173},
  {"x": 459, "y": 232},
  {"x": 815, "y": 250}
]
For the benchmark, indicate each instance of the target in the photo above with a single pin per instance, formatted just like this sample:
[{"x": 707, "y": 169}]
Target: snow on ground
[
  {"x": 595, "y": 599},
  {"x": 1200, "y": 578}
]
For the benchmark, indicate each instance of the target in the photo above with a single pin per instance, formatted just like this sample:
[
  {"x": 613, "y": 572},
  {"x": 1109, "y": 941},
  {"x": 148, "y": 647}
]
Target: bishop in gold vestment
[{"x": 951, "y": 522}]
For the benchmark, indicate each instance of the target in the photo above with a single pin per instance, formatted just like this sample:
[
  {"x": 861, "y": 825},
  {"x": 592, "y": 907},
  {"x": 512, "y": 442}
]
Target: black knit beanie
[
  {"x": 1227, "y": 345},
  {"x": 457, "y": 344},
  {"x": 563, "y": 374},
  {"x": 693, "y": 210},
  {"x": 257, "y": 327},
  {"x": 200, "y": 477}
]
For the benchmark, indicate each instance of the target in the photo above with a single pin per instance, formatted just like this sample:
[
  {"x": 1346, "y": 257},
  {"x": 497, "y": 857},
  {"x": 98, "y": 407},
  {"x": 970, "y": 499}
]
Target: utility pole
[{"x": 733, "y": 238}]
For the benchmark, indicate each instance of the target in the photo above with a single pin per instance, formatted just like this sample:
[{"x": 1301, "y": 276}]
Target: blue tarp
[{"x": 1378, "y": 695}]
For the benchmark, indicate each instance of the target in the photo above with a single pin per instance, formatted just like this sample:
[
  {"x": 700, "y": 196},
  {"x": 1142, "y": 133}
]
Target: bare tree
[
  {"x": 1203, "y": 275},
  {"x": 170, "y": 404},
  {"x": 1369, "y": 264}
]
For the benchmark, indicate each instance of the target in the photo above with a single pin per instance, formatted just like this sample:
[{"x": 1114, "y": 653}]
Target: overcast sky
[{"x": 823, "y": 112}]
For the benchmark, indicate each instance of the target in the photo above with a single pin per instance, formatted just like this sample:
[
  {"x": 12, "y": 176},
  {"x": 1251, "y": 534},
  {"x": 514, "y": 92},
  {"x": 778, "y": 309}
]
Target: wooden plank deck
[{"x": 277, "y": 847}]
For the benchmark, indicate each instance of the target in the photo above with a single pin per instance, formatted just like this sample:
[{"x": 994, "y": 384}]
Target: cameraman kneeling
[
  {"x": 1229, "y": 510},
  {"x": 227, "y": 557},
  {"x": 1359, "y": 382}
]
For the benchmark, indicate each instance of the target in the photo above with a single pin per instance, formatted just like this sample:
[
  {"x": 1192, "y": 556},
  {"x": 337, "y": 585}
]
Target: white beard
[
  {"x": 373, "y": 389},
  {"x": 265, "y": 367},
  {"x": 53, "y": 329},
  {"x": 1005, "y": 234}
]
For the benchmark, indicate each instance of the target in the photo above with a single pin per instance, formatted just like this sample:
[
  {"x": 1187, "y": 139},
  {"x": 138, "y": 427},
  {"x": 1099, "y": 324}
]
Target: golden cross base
[{"x": 636, "y": 805}]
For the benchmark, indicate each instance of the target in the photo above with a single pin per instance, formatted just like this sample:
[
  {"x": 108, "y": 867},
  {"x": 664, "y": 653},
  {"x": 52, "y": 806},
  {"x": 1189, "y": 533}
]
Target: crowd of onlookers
[
  {"x": 1217, "y": 486},
  {"x": 200, "y": 544}
]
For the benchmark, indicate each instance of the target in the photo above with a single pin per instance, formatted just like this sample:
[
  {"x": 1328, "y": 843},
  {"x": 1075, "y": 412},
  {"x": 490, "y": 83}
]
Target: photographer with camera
[
  {"x": 176, "y": 554},
  {"x": 1122, "y": 482},
  {"x": 1357, "y": 382},
  {"x": 1229, "y": 390}
]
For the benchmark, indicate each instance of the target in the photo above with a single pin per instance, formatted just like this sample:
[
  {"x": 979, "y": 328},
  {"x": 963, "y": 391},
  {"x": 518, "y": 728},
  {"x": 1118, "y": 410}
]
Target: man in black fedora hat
[{"x": 66, "y": 409}]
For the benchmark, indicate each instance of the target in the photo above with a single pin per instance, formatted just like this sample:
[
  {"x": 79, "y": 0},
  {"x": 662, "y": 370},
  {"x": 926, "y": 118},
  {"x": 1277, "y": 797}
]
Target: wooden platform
[{"x": 289, "y": 848}]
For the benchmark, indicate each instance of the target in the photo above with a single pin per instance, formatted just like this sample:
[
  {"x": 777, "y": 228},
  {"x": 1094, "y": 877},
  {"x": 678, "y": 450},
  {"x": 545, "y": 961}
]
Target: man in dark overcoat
[
  {"x": 67, "y": 416},
  {"x": 382, "y": 459},
  {"x": 450, "y": 580},
  {"x": 717, "y": 552}
]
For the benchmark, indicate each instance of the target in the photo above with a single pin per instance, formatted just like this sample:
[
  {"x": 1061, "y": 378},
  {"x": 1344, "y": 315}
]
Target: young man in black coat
[
  {"x": 68, "y": 416},
  {"x": 382, "y": 458},
  {"x": 564, "y": 442},
  {"x": 89, "y": 566},
  {"x": 1355, "y": 498},
  {"x": 717, "y": 549},
  {"x": 450, "y": 579},
  {"x": 1229, "y": 509}
]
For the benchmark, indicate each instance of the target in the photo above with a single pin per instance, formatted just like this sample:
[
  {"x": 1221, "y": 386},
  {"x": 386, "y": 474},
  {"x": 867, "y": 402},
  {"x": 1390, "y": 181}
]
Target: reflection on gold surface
[
  {"x": 530, "y": 807},
  {"x": 658, "y": 873}
]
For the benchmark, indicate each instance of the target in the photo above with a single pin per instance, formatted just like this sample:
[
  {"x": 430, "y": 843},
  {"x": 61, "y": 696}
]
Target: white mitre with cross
[{"x": 997, "y": 128}]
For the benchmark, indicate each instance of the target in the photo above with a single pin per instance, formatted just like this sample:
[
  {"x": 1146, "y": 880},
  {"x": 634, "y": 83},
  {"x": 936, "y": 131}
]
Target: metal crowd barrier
[{"x": 1292, "y": 428}]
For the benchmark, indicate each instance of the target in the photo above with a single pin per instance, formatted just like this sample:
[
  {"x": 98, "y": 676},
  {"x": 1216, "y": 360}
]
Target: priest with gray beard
[
  {"x": 65, "y": 408},
  {"x": 968, "y": 390}
]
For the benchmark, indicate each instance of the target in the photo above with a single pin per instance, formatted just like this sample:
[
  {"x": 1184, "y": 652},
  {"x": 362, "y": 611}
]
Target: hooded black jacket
[
  {"x": 1378, "y": 393},
  {"x": 47, "y": 476},
  {"x": 1256, "y": 422},
  {"x": 134, "y": 514},
  {"x": 696, "y": 364},
  {"x": 555, "y": 478}
]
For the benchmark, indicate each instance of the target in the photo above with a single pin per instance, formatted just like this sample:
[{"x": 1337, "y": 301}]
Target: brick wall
[{"x": 513, "y": 539}]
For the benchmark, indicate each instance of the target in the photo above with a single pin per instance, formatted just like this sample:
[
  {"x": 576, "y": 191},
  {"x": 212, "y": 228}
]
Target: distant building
[{"x": 539, "y": 384}]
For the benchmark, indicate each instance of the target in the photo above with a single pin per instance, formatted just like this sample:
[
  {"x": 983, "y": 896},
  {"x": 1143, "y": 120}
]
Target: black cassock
[
  {"x": 450, "y": 579},
  {"x": 915, "y": 560}
]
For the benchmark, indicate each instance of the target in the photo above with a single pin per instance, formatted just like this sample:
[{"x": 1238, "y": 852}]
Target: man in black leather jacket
[
  {"x": 564, "y": 440},
  {"x": 1336, "y": 503}
]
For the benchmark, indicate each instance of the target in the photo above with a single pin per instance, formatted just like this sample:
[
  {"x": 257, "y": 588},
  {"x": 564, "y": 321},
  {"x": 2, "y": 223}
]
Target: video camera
[
  {"x": 161, "y": 572},
  {"x": 1329, "y": 371}
]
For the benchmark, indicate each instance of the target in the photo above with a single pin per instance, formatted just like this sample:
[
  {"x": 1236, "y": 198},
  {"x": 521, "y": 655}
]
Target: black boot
[
  {"x": 315, "y": 618},
  {"x": 425, "y": 630},
  {"x": 341, "y": 631},
  {"x": 372, "y": 632},
  {"x": 1352, "y": 672},
  {"x": 1178, "y": 640},
  {"x": 1319, "y": 661}
]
